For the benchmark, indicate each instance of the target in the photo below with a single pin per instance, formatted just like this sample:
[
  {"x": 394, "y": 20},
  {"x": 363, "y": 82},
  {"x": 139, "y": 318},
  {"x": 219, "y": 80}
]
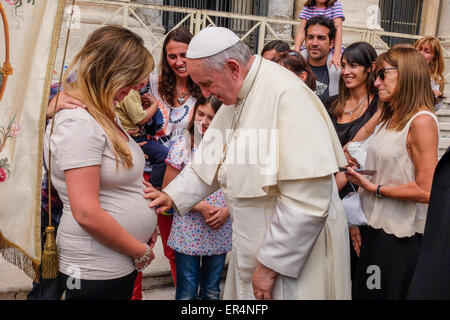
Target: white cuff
[{"x": 188, "y": 189}]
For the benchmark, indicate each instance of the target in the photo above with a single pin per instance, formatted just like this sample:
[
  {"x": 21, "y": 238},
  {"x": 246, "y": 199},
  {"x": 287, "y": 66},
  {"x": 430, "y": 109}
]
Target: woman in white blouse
[{"x": 404, "y": 154}]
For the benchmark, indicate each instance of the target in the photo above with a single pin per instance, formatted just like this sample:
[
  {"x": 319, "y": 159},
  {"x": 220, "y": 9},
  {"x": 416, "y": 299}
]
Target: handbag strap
[{"x": 353, "y": 187}]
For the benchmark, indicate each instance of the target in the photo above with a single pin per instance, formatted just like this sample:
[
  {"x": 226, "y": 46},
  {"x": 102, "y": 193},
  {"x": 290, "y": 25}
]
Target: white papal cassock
[{"x": 278, "y": 180}]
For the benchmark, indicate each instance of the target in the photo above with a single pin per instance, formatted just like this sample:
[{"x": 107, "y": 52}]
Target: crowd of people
[{"x": 115, "y": 120}]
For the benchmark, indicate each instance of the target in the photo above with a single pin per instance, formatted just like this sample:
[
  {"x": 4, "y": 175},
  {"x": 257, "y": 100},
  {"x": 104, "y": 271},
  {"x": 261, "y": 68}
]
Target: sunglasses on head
[
  {"x": 294, "y": 53},
  {"x": 381, "y": 73}
]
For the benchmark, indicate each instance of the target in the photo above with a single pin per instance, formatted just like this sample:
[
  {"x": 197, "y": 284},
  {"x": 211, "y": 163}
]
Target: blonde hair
[
  {"x": 111, "y": 59},
  {"x": 413, "y": 89},
  {"x": 437, "y": 66}
]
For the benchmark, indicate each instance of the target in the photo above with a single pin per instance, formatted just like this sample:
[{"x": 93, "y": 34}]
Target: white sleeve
[
  {"x": 301, "y": 212},
  {"x": 188, "y": 189},
  {"x": 77, "y": 141}
]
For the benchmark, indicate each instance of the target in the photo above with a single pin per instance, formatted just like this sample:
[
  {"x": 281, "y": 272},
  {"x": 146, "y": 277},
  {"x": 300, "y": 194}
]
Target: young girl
[
  {"x": 294, "y": 61},
  {"x": 331, "y": 9},
  {"x": 202, "y": 237}
]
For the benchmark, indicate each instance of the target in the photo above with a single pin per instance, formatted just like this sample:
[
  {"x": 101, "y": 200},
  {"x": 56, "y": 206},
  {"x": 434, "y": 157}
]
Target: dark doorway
[{"x": 402, "y": 16}]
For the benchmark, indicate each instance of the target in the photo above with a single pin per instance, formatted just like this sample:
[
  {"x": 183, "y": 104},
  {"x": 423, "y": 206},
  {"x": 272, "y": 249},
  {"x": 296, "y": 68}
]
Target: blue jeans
[
  {"x": 156, "y": 154},
  {"x": 194, "y": 272}
]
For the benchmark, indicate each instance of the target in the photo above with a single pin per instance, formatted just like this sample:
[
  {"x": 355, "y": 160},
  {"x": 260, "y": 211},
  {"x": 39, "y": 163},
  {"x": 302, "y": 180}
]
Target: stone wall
[{"x": 90, "y": 16}]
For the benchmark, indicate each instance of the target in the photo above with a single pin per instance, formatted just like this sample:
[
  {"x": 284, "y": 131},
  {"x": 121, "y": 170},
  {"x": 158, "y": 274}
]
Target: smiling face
[
  {"x": 224, "y": 85},
  {"x": 203, "y": 117},
  {"x": 176, "y": 57},
  {"x": 318, "y": 44},
  {"x": 387, "y": 87},
  {"x": 353, "y": 74}
]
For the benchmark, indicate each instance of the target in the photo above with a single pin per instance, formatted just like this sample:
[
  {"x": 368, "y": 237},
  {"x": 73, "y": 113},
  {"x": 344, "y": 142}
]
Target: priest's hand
[
  {"x": 160, "y": 200},
  {"x": 263, "y": 282}
]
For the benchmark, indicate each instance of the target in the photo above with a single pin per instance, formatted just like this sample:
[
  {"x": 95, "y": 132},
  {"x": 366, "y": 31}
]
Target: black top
[
  {"x": 347, "y": 131},
  {"x": 322, "y": 81},
  {"x": 431, "y": 279}
]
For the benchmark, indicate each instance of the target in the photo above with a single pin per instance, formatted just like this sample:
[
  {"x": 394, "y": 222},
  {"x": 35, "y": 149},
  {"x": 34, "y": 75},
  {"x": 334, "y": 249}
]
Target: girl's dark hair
[
  {"x": 312, "y": 3},
  {"x": 215, "y": 104},
  {"x": 363, "y": 54},
  {"x": 278, "y": 45},
  {"x": 295, "y": 62},
  {"x": 167, "y": 80},
  {"x": 322, "y": 21}
]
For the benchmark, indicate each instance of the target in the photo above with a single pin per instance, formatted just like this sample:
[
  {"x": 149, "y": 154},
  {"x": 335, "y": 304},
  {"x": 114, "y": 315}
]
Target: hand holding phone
[{"x": 360, "y": 171}]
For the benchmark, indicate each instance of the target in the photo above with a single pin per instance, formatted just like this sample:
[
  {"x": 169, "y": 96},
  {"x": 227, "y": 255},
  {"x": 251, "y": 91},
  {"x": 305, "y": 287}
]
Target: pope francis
[{"x": 273, "y": 150}]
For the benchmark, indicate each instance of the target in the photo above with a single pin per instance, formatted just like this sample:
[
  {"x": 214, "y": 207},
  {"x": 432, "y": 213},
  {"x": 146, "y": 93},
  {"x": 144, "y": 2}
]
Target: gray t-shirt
[{"x": 79, "y": 141}]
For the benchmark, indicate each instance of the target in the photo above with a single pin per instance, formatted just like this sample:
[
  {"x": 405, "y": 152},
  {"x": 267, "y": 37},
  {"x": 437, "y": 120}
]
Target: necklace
[
  {"x": 357, "y": 106},
  {"x": 181, "y": 98}
]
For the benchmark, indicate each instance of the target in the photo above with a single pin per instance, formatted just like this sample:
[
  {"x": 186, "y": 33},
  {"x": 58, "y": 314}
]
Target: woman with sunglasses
[
  {"x": 395, "y": 199},
  {"x": 355, "y": 104},
  {"x": 295, "y": 62}
]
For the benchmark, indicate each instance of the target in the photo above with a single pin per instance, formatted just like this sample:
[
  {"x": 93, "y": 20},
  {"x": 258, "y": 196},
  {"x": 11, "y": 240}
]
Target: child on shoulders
[{"x": 331, "y": 9}]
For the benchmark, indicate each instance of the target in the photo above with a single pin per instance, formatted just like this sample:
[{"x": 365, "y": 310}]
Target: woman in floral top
[{"x": 202, "y": 237}]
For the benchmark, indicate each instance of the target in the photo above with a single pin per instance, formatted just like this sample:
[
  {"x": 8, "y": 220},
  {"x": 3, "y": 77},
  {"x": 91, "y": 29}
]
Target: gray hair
[{"x": 239, "y": 52}]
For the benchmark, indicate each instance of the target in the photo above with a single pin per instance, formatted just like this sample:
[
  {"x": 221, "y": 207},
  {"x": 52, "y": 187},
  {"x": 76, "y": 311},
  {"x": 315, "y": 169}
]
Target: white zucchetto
[{"x": 211, "y": 41}]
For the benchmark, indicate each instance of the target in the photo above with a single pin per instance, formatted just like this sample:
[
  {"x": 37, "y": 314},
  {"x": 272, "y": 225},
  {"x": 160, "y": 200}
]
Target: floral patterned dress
[{"x": 190, "y": 234}]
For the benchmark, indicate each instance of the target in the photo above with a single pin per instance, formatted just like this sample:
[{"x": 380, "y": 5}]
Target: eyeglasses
[{"x": 382, "y": 72}]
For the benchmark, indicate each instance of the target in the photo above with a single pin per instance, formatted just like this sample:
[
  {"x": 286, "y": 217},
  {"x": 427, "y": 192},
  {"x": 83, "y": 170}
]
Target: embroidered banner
[{"x": 29, "y": 32}]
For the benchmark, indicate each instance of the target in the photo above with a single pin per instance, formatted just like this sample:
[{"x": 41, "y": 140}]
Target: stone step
[
  {"x": 443, "y": 115},
  {"x": 444, "y": 143},
  {"x": 157, "y": 281},
  {"x": 444, "y": 128},
  {"x": 14, "y": 284},
  {"x": 168, "y": 293}
]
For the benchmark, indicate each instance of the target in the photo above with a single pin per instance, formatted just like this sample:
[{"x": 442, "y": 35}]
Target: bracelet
[
  {"x": 378, "y": 192},
  {"x": 144, "y": 258}
]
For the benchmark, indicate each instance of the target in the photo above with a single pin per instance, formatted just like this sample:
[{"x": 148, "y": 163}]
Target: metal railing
[{"x": 198, "y": 19}]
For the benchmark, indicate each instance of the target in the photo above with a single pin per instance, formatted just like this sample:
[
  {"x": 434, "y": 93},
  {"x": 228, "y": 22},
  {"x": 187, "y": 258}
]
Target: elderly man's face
[{"x": 224, "y": 85}]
